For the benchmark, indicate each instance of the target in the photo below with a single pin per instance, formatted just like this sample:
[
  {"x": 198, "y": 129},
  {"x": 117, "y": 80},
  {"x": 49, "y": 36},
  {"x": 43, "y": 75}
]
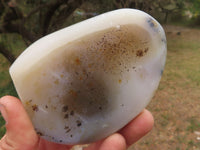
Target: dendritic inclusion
[{"x": 87, "y": 88}]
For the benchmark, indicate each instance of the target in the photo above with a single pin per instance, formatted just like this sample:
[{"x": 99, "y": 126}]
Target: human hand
[{"x": 20, "y": 134}]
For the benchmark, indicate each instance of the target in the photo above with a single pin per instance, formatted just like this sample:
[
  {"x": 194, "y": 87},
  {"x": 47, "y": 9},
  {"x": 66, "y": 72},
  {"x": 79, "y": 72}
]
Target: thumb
[{"x": 20, "y": 133}]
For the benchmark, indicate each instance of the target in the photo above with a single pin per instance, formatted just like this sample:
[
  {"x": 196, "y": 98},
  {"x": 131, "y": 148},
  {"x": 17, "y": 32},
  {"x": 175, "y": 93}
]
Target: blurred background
[{"x": 176, "y": 104}]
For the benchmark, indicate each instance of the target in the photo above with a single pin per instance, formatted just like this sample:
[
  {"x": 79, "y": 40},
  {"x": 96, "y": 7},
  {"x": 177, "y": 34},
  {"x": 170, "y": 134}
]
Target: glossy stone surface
[{"x": 82, "y": 83}]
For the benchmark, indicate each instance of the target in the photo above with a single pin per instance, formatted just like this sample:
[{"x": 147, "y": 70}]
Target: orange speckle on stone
[
  {"x": 146, "y": 50},
  {"x": 154, "y": 23},
  {"x": 77, "y": 61},
  {"x": 61, "y": 75},
  {"x": 56, "y": 81},
  {"x": 139, "y": 53},
  {"x": 141, "y": 76},
  {"x": 90, "y": 84},
  {"x": 28, "y": 102},
  {"x": 73, "y": 93},
  {"x": 90, "y": 65},
  {"x": 35, "y": 107},
  {"x": 120, "y": 81}
]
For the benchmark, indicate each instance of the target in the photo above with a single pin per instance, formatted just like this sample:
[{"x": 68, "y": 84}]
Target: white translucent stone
[{"x": 84, "y": 82}]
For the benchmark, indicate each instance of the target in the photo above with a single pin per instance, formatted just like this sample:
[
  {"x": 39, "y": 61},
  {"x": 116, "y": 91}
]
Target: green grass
[
  {"x": 194, "y": 125},
  {"x": 2, "y": 126},
  {"x": 13, "y": 42},
  {"x": 9, "y": 89},
  {"x": 186, "y": 63}
]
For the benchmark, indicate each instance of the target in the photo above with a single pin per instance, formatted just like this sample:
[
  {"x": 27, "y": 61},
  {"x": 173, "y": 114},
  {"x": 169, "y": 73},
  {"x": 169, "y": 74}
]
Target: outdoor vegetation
[{"x": 176, "y": 104}]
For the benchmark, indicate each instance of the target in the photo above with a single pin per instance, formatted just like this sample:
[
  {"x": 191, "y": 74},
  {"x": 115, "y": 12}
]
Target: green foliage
[
  {"x": 2, "y": 126},
  {"x": 9, "y": 89},
  {"x": 13, "y": 42},
  {"x": 171, "y": 5},
  {"x": 194, "y": 6},
  {"x": 194, "y": 125},
  {"x": 33, "y": 19}
]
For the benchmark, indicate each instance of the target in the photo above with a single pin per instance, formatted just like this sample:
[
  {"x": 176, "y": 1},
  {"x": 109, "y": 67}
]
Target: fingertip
[
  {"x": 10, "y": 106},
  {"x": 6, "y": 105},
  {"x": 149, "y": 120},
  {"x": 114, "y": 142},
  {"x": 18, "y": 124},
  {"x": 8, "y": 101},
  {"x": 138, "y": 127},
  {"x": 14, "y": 109}
]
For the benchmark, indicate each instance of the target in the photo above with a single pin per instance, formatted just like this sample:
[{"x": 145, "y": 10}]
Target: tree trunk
[
  {"x": 48, "y": 16},
  {"x": 166, "y": 16},
  {"x": 17, "y": 28}
]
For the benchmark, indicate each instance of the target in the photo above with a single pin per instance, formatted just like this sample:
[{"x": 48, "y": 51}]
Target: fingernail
[{"x": 3, "y": 112}]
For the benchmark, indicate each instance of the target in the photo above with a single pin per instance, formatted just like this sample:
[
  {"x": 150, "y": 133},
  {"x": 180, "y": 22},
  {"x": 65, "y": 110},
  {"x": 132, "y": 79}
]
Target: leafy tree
[
  {"x": 153, "y": 6},
  {"x": 33, "y": 19},
  {"x": 168, "y": 7},
  {"x": 194, "y": 6}
]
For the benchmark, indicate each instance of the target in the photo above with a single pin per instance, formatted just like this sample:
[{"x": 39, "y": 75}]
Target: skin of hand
[{"x": 20, "y": 133}]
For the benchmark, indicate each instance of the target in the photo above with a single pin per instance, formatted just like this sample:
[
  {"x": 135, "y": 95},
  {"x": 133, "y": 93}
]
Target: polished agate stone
[{"x": 85, "y": 82}]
